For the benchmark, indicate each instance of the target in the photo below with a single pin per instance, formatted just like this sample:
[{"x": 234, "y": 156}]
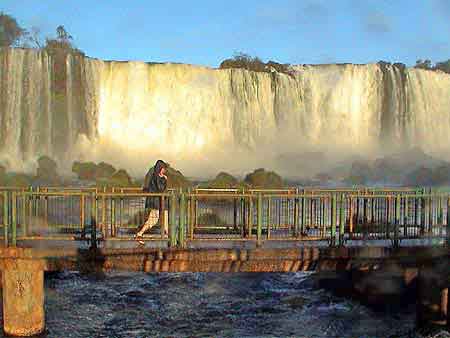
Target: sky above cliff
[{"x": 288, "y": 31}]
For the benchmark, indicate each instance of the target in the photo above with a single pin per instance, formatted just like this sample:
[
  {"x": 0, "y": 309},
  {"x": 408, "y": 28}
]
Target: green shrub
[
  {"x": 421, "y": 176},
  {"x": 223, "y": 181},
  {"x": 441, "y": 175},
  {"x": 10, "y": 31},
  {"x": 245, "y": 61},
  {"x": 261, "y": 178},
  {"x": 104, "y": 170},
  {"x": 47, "y": 164},
  {"x": 101, "y": 172},
  {"x": 85, "y": 170},
  {"x": 120, "y": 179},
  {"x": 46, "y": 172},
  {"x": 18, "y": 180},
  {"x": 175, "y": 179}
]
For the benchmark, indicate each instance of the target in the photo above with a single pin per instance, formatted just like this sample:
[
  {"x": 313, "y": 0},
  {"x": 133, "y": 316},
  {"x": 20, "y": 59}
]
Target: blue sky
[{"x": 288, "y": 31}]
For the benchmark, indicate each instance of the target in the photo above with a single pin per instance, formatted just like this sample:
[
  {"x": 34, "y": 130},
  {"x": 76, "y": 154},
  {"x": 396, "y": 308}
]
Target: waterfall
[{"x": 71, "y": 107}]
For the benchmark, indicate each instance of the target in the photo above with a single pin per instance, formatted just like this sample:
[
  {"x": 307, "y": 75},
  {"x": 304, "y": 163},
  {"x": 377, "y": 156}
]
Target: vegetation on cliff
[
  {"x": 245, "y": 61},
  {"x": 13, "y": 35},
  {"x": 443, "y": 66}
]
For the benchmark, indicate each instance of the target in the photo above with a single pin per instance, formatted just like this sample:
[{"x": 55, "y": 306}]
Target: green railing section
[{"x": 333, "y": 215}]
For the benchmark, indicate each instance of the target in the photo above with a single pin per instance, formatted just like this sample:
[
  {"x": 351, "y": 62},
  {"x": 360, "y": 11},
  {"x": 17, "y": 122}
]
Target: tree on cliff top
[
  {"x": 62, "y": 43},
  {"x": 443, "y": 66},
  {"x": 242, "y": 60},
  {"x": 255, "y": 64},
  {"x": 423, "y": 64},
  {"x": 10, "y": 31}
]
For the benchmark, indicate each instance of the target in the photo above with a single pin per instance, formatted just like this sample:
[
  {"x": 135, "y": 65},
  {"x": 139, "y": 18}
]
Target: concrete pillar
[
  {"x": 23, "y": 297},
  {"x": 445, "y": 305},
  {"x": 448, "y": 309},
  {"x": 432, "y": 298}
]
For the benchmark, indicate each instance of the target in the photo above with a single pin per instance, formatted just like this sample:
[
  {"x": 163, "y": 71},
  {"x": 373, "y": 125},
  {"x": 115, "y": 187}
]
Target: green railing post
[
  {"x": 397, "y": 219},
  {"x": 82, "y": 215},
  {"x": 5, "y": 217},
  {"x": 14, "y": 219},
  {"x": 296, "y": 216},
  {"x": 430, "y": 212},
  {"x": 388, "y": 217},
  {"x": 422, "y": 215},
  {"x": 93, "y": 220},
  {"x": 405, "y": 216},
  {"x": 235, "y": 214},
  {"x": 269, "y": 217},
  {"x": 173, "y": 221},
  {"x": 23, "y": 222},
  {"x": 113, "y": 216},
  {"x": 448, "y": 223},
  {"x": 333, "y": 220},
  {"x": 303, "y": 225},
  {"x": 250, "y": 217},
  {"x": 103, "y": 224},
  {"x": 416, "y": 213},
  {"x": 341, "y": 220},
  {"x": 259, "y": 219},
  {"x": 191, "y": 217},
  {"x": 350, "y": 216},
  {"x": 181, "y": 229},
  {"x": 30, "y": 207},
  {"x": 243, "y": 217}
]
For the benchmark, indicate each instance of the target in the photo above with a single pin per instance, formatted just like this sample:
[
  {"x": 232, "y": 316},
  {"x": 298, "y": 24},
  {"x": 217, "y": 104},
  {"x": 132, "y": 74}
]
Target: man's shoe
[{"x": 139, "y": 239}]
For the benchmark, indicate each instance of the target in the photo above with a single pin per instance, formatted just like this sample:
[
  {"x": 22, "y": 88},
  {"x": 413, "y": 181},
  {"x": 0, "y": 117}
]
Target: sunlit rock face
[{"x": 205, "y": 120}]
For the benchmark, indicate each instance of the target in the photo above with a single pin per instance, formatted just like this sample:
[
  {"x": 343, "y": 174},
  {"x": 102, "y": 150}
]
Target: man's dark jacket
[{"x": 153, "y": 183}]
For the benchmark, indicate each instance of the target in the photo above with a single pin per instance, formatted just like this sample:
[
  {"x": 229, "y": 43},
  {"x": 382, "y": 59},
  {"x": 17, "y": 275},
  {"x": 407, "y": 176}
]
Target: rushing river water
[{"x": 209, "y": 305}]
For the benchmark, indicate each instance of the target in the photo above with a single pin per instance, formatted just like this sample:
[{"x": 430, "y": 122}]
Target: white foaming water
[{"x": 130, "y": 113}]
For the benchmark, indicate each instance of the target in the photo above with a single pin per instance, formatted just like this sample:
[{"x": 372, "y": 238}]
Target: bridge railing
[
  {"x": 255, "y": 215},
  {"x": 4, "y": 210},
  {"x": 47, "y": 214},
  {"x": 77, "y": 215},
  {"x": 335, "y": 217},
  {"x": 120, "y": 215}
]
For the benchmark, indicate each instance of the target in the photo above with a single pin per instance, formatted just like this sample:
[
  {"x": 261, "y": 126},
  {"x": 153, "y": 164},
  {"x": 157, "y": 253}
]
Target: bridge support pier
[
  {"x": 23, "y": 294},
  {"x": 432, "y": 296}
]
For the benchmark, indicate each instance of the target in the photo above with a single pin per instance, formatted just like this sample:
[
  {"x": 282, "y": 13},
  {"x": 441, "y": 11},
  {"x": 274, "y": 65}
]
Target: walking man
[{"x": 155, "y": 182}]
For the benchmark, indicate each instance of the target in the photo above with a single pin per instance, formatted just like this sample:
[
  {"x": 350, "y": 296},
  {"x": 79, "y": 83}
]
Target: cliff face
[{"x": 131, "y": 112}]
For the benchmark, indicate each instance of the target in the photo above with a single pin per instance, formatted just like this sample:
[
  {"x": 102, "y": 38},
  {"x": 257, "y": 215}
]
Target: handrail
[{"x": 259, "y": 214}]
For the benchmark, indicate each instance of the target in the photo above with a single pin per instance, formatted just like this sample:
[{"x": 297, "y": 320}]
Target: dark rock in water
[
  {"x": 296, "y": 302},
  {"x": 269, "y": 309},
  {"x": 135, "y": 293}
]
